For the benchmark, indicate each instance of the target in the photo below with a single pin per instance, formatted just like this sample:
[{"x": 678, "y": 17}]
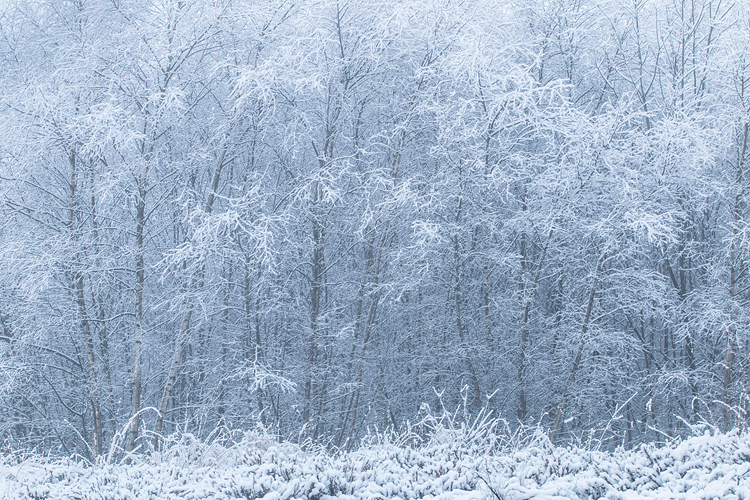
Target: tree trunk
[
  {"x": 318, "y": 263},
  {"x": 459, "y": 322},
  {"x": 98, "y": 305},
  {"x": 135, "y": 406},
  {"x": 80, "y": 296},
  {"x": 577, "y": 361},
  {"x": 736, "y": 269},
  {"x": 374, "y": 299},
  {"x": 529, "y": 295},
  {"x": 90, "y": 361},
  {"x": 182, "y": 336}
]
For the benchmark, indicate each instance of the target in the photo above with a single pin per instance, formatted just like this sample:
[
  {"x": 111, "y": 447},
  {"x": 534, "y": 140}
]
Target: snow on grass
[{"x": 450, "y": 465}]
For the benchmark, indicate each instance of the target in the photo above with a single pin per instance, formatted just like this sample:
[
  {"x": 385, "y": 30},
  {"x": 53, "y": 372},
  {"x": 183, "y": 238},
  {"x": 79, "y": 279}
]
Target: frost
[{"x": 708, "y": 466}]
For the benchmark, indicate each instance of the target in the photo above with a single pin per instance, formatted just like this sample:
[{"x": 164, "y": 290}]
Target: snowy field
[{"x": 451, "y": 465}]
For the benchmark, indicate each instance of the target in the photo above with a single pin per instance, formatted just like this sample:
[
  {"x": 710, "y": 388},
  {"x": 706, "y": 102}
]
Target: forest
[{"x": 327, "y": 217}]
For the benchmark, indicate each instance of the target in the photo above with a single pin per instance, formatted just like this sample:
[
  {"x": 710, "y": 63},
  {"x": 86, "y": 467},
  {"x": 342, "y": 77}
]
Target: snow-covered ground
[{"x": 448, "y": 466}]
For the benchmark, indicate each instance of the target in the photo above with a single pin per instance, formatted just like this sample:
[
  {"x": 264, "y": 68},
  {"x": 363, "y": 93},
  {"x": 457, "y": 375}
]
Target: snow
[{"x": 702, "y": 467}]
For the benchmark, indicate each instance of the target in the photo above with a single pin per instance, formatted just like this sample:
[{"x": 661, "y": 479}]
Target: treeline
[{"x": 321, "y": 215}]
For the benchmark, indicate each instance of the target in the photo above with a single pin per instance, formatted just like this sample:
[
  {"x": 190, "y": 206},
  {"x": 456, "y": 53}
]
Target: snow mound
[{"x": 702, "y": 467}]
